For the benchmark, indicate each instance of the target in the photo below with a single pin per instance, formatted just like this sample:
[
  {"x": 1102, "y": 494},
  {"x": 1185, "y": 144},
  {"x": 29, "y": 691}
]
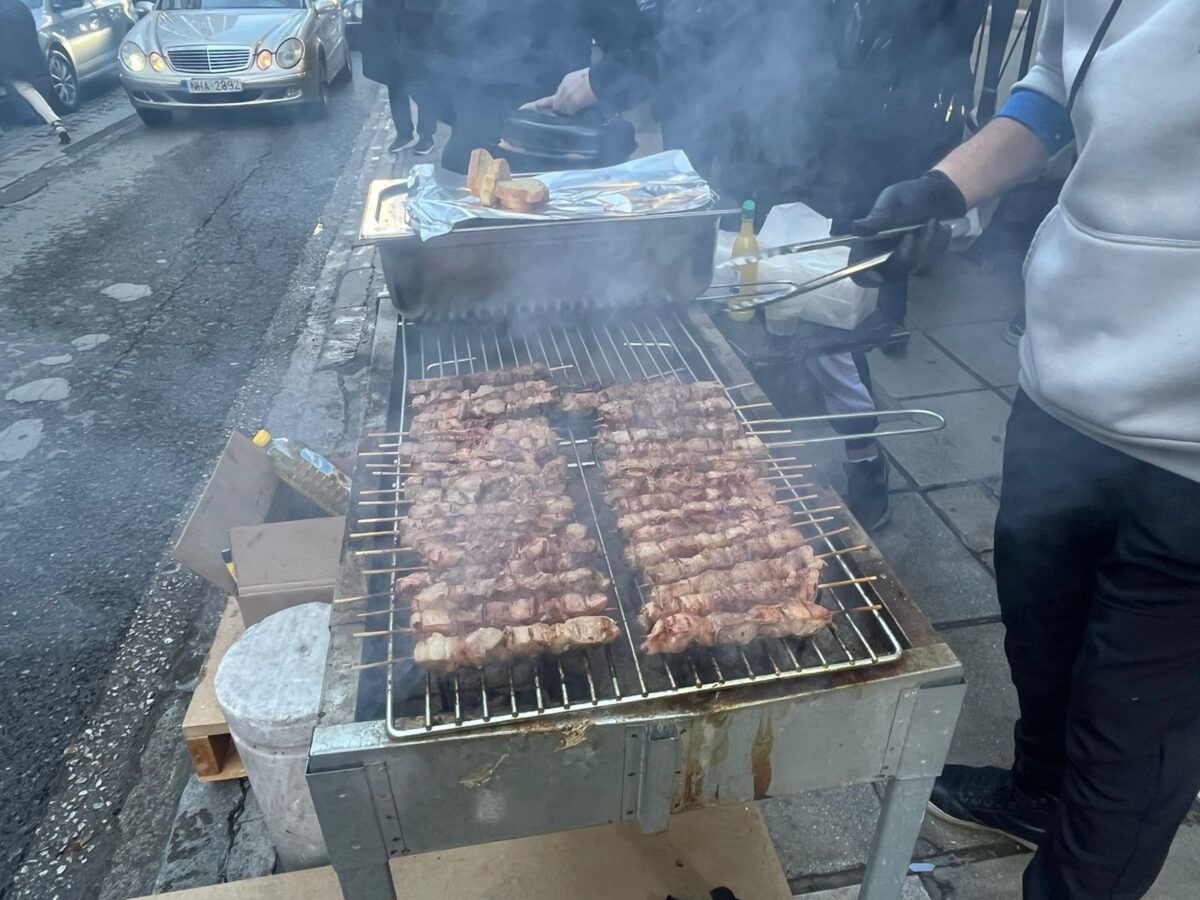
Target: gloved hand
[
  {"x": 927, "y": 199},
  {"x": 574, "y": 95}
]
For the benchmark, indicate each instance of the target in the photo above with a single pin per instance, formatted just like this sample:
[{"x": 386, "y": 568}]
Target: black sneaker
[
  {"x": 424, "y": 146},
  {"x": 867, "y": 491},
  {"x": 400, "y": 143},
  {"x": 986, "y": 798},
  {"x": 1015, "y": 330}
]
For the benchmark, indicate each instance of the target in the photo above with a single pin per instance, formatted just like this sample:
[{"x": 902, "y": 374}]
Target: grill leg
[
  {"x": 921, "y": 733},
  {"x": 367, "y": 883},
  {"x": 895, "y": 835}
]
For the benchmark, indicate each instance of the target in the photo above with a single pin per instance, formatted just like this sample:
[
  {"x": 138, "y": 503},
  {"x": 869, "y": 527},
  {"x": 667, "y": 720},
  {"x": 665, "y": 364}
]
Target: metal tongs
[{"x": 784, "y": 290}]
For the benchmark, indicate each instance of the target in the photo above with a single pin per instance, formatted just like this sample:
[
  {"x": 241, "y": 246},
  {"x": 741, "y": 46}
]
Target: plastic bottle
[
  {"x": 745, "y": 244},
  {"x": 308, "y": 472}
]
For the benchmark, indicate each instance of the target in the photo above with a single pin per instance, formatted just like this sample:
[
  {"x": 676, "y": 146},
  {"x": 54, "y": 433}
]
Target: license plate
[{"x": 214, "y": 85}]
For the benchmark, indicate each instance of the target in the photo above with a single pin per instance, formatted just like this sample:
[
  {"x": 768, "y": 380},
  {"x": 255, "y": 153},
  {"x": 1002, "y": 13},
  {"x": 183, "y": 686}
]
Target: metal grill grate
[
  {"x": 207, "y": 60},
  {"x": 590, "y": 354}
]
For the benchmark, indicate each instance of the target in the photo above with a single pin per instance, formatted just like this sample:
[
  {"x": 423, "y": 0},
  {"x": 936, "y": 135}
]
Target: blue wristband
[{"x": 1049, "y": 121}]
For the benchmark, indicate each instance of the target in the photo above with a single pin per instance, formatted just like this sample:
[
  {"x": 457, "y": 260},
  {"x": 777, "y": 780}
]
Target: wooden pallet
[{"x": 214, "y": 757}]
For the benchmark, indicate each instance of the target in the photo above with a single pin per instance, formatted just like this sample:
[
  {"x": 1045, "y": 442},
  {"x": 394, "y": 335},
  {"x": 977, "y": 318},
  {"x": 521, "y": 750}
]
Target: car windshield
[{"x": 230, "y": 4}]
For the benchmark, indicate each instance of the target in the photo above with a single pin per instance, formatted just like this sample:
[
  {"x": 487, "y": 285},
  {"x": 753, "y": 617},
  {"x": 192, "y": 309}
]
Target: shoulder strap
[{"x": 1091, "y": 53}]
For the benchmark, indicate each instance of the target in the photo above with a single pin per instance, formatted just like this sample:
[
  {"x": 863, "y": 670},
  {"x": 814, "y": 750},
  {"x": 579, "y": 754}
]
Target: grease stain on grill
[
  {"x": 760, "y": 755},
  {"x": 482, "y": 776}
]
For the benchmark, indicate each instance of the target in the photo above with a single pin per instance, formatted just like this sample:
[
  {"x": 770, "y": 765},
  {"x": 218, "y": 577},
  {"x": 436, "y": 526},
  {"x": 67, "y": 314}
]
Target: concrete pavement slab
[
  {"x": 913, "y": 890},
  {"x": 1010, "y": 393},
  {"x": 1000, "y": 879},
  {"x": 984, "y": 735},
  {"x": 959, "y": 291},
  {"x": 980, "y": 347},
  {"x": 823, "y": 831},
  {"x": 994, "y": 879},
  {"x": 923, "y": 369},
  {"x": 971, "y": 509},
  {"x": 944, "y": 579},
  {"x": 969, "y": 448}
]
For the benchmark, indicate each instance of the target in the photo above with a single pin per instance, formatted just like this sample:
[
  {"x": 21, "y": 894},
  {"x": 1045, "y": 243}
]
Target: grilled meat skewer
[
  {"x": 425, "y": 590},
  {"x": 587, "y": 401},
  {"x": 496, "y": 646},
  {"x": 711, "y": 494},
  {"x": 709, "y": 446},
  {"x": 706, "y": 523},
  {"x": 501, "y": 614},
  {"x": 737, "y": 598},
  {"x": 469, "y": 381},
  {"x": 781, "y": 568},
  {"x": 759, "y": 549},
  {"x": 756, "y": 505},
  {"x": 676, "y": 633},
  {"x": 475, "y": 395},
  {"x": 646, "y": 553},
  {"x": 712, "y": 430}
]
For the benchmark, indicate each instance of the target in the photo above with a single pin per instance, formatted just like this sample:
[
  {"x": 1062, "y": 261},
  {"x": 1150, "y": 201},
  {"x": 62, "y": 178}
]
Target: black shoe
[
  {"x": 987, "y": 799},
  {"x": 867, "y": 491},
  {"x": 424, "y": 145},
  {"x": 64, "y": 136},
  {"x": 1015, "y": 330},
  {"x": 401, "y": 142}
]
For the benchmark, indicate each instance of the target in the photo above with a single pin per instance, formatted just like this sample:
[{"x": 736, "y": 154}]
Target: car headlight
[
  {"x": 132, "y": 57},
  {"x": 358, "y": 10},
  {"x": 263, "y": 60},
  {"x": 157, "y": 63},
  {"x": 347, "y": 10},
  {"x": 289, "y": 53}
]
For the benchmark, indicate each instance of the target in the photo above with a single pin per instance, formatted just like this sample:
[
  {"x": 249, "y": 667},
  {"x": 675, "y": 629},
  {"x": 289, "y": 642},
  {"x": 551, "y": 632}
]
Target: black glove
[{"x": 927, "y": 199}]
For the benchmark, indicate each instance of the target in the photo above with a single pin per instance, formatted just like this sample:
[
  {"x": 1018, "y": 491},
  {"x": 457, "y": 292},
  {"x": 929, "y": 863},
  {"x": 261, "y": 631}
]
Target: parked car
[
  {"x": 352, "y": 15},
  {"x": 185, "y": 54},
  {"x": 81, "y": 40}
]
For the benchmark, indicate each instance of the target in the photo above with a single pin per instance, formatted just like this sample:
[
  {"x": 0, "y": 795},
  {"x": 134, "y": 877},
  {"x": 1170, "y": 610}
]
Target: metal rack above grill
[{"x": 591, "y": 353}]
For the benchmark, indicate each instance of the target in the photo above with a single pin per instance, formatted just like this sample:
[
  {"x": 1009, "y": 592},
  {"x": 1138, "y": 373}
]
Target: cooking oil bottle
[
  {"x": 745, "y": 244},
  {"x": 308, "y": 472}
]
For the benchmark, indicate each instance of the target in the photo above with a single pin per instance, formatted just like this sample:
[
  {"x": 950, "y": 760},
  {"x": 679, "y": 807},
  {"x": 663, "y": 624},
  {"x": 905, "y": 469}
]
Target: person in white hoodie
[{"x": 1098, "y": 535}]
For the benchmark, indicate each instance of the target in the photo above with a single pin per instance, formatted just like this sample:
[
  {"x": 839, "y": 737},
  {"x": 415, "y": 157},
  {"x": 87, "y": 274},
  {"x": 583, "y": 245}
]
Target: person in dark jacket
[
  {"x": 499, "y": 54},
  {"x": 823, "y": 104},
  {"x": 394, "y": 38},
  {"x": 22, "y": 64}
]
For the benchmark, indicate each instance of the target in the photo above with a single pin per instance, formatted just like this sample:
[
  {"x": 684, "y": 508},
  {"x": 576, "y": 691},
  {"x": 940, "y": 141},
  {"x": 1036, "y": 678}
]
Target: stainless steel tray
[{"x": 534, "y": 266}]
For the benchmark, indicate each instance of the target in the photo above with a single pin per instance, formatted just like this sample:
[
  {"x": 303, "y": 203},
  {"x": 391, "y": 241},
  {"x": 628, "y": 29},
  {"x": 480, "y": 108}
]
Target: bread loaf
[{"x": 521, "y": 194}]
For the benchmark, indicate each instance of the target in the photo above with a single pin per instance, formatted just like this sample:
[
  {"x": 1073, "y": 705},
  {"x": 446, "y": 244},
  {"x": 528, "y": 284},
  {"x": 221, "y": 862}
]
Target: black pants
[
  {"x": 1098, "y": 571},
  {"x": 402, "y": 112}
]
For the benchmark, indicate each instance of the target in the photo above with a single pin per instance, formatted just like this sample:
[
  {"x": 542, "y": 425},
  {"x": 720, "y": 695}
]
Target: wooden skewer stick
[
  {"x": 385, "y": 633},
  {"x": 382, "y": 551},
  {"x": 848, "y": 581},
  {"x": 854, "y": 549},
  {"x": 361, "y": 597},
  {"x": 393, "y": 570},
  {"x": 857, "y": 609},
  {"x": 358, "y": 667}
]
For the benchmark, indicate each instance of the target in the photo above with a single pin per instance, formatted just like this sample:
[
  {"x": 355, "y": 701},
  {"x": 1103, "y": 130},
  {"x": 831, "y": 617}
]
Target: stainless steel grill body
[
  {"x": 209, "y": 60},
  {"x": 403, "y": 763}
]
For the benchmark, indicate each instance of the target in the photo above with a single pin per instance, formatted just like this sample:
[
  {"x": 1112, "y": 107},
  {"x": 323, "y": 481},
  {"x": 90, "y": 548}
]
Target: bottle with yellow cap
[
  {"x": 308, "y": 472},
  {"x": 745, "y": 244}
]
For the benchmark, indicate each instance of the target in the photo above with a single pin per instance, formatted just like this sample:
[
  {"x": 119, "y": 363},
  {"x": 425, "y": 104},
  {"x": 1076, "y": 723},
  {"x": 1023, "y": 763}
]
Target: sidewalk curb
[{"x": 29, "y": 184}]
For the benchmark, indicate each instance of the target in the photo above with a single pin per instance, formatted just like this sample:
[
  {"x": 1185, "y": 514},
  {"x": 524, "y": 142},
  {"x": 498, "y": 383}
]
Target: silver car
[
  {"x": 185, "y": 54},
  {"x": 80, "y": 39}
]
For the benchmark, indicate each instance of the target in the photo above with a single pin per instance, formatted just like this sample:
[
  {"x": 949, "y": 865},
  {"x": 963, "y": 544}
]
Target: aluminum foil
[{"x": 663, "y": 183}]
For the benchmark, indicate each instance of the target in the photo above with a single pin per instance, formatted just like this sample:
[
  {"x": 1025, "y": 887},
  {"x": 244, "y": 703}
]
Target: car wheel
[
  {"x": 155, "y": 117},
  {"x": 319, "y": 108},
  {"x": 64, "y": 81}
]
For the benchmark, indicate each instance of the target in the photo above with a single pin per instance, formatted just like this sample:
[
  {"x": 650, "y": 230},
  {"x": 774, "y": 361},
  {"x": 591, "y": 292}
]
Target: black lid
[{"x": 587, "y": 138}]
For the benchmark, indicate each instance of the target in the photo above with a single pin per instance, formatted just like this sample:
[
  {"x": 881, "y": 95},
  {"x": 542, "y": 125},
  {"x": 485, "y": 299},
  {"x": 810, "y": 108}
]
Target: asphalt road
[{"x": 136, "y": 292}]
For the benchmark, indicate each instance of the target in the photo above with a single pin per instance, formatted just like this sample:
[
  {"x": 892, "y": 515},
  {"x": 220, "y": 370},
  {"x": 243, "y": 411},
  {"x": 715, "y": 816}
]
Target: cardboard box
[{"x": 285, "y": 548}]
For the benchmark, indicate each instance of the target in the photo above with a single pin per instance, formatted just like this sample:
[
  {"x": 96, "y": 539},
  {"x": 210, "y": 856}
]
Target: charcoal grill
[{"x": 404, "y": 761}]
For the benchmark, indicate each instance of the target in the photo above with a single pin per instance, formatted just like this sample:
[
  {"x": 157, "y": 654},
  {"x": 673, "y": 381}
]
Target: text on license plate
[{"x": 214, "y": 85}]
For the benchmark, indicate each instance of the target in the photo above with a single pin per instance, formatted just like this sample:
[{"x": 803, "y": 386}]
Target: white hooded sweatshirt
[{"x": 1112, "y": 279}]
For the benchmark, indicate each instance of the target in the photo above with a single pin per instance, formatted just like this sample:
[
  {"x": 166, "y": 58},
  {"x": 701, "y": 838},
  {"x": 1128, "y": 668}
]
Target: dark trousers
[
  {"x": 402, "y": 112},
  {"x": 1098, "y": 571}
]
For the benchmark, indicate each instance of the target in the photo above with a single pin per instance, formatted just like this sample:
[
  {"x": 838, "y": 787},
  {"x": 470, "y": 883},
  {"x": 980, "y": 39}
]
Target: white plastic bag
[{"x": 842, "y": 304}]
